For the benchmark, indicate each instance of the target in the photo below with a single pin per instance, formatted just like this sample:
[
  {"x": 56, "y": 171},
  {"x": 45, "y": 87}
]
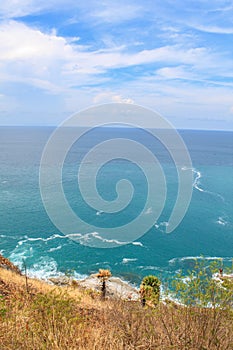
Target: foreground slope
[{"x": 36, "y": 315}]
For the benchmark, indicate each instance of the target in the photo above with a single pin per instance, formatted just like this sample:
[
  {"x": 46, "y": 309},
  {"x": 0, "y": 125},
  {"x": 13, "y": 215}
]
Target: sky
[{"x": 58, "y": 57}]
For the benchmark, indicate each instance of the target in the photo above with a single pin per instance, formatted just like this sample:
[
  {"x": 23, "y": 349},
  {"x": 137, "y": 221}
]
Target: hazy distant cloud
[
  {"x": 120, "y": 99},
  {"x": 107, "y": 97}
]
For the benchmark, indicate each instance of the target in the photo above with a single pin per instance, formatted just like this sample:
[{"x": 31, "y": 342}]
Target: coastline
[{"x": 116, "y": 287}]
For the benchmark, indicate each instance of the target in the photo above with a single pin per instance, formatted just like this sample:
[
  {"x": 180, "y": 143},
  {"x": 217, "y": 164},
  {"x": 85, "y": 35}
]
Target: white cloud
[
  {"x": 14, "y": 8},
  {"x": 213, "y": 29},
  {"x": 36, "y": 58},
  {"x": 120, "y": 99},
  {"x": 178, "y": 72},
  {"x": 52, "y": 62},
  {"x": 93, "y": 11},
  {"x": 107, "y": 97},
  {"x": 19, "y": 8},
  {"x": 20, "y": 42},
  {"x": 117, "y": 12},
  {"x": 169, "y": 68}
]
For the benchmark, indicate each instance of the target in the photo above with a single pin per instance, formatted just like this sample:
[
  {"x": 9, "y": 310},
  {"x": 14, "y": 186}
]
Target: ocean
[{"x": 27, "y": 235}]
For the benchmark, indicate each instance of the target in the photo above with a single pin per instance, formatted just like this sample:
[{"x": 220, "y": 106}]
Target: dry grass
[{"x": 70, "y": 319}]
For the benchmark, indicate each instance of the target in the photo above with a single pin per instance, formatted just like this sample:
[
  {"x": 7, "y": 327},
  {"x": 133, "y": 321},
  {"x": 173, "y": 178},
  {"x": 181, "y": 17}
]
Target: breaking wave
[
  {"x": 128, "y": 260},
  {"x": 197, "y": 183}
]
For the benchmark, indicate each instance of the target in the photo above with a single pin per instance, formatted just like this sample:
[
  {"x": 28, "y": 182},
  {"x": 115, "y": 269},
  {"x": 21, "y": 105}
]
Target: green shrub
[
  {"x": 2, "y": 307},
  {"x": 201, "y": 289},
  {"x": 150, "y": 289}
]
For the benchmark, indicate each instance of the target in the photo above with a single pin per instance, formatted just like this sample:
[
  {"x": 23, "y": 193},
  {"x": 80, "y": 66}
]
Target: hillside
[{"x": 36, "y": 315}]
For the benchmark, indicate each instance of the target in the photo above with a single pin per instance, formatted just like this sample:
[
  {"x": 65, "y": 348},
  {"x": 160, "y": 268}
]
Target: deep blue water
[{"x": 26, "y": 232}]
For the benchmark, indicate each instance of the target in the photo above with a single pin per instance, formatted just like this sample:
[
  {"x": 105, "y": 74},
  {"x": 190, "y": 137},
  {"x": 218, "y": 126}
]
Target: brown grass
[{"x": 61, "y": 318}]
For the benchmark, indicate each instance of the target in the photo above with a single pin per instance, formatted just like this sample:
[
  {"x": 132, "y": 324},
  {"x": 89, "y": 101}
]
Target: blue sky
[{"x": 58, "y": 57}]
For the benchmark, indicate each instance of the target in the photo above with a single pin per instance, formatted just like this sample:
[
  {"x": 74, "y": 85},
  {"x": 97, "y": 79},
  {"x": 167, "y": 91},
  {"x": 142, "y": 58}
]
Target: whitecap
[
  {"x": 198, "y": 175},
  {"x": 20, "y": 254},
  {"x": 161, "y": 226},
  {"x": 186, "y": 258},
  {"x": 148, "y": 211},
  {"x": 54, "y": 249},
  {"x": 94, "y": 237},
  {"x": 74, "y": 235},
  {"x": 138, "y": 244},
  {"x": 35, "y": 239},
  {"x": 149, "y": 267},
  {"x": 9, "y": 237},
  {"x": 127, "y": 260},
  {"x": 197, "y": 183},
  {"x": 221, "y": 221}
]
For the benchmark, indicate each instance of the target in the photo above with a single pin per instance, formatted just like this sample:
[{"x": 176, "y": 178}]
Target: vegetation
[
  {"x": 67, "y": 318},
  {"x": 200, "y": 289},
  {"x": 104, "y": 275},
  {"x": 150, "y": 290}
]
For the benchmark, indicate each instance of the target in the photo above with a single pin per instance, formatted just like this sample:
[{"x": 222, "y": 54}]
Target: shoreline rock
[{"x": 115, "y": 287}]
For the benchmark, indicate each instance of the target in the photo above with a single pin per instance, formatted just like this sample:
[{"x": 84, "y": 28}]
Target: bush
[
  {"x": 150, "y": 290},
  {"x": 201, "y": 289}
]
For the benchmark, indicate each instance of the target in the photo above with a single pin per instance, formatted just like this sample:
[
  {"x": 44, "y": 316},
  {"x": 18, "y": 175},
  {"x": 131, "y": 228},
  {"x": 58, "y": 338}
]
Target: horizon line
[{"x": 107, "y": 126}]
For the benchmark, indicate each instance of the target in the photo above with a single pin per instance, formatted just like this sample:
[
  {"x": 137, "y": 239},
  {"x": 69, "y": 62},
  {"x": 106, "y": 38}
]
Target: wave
[
  {"x": 151, "y": 267},
  {"x": 127, "y": 260},
  {"x": 54, "y": 249},
  {"x": 197, "y": 183},
  {"x": 84, "y": 239},
  {"x": 148, "y": 211},
  {"x": 186, "y": 258},
  {"x": 161, "y": 226},
  {"x": 44, "y": 267},
  {"x": 94, "y": 239},
  {"x": 11, "y": 237},
  {"x": 222, "y": 221},
  {"x": 137, "y": 244},
  {"x": 218, "y": 277},
  {"x": 35, "y": 239},
  {"x": 102, "y": 263},
  {"x": 197, "y": 177}
]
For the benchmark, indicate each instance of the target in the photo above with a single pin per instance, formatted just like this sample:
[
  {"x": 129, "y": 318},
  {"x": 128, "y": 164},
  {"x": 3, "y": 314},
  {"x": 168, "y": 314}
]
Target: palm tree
[
  {"x": 104, "y": 275},
  {"x": 150, "y": 290}
]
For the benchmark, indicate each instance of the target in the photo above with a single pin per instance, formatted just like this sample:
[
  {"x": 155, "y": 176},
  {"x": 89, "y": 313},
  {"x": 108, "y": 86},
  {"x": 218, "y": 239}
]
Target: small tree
[
  {"x": 150, "y": 290},
  {"x": 104, "y": 275},
  {"x": 201, "y": 289}
]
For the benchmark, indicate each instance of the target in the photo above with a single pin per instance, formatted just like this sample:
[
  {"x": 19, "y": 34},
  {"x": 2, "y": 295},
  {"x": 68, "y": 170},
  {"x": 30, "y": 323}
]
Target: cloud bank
[{"x": 59, "y": 57}]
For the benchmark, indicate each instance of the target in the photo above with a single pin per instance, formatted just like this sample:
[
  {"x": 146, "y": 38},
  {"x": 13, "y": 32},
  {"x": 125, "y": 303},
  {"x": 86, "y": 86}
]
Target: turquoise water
[{"x": 27, "y": 234}]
